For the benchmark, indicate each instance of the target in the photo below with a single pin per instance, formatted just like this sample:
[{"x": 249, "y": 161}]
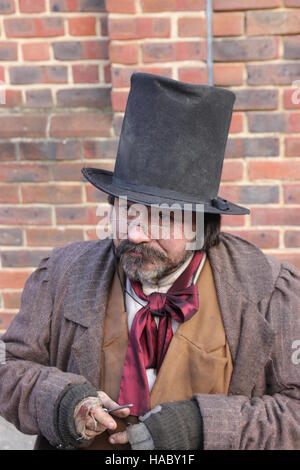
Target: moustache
[{"x": 126, "y": 246}]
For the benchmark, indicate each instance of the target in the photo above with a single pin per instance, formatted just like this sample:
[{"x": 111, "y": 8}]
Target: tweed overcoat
[{"x": 56, "y": 338}]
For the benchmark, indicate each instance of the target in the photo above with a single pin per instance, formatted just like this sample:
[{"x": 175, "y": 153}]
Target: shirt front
[{"x": 134, "y": 303}]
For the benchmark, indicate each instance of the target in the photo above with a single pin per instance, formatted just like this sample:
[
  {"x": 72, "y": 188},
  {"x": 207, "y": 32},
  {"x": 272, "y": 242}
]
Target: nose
[{"x": 137, "y": 233}]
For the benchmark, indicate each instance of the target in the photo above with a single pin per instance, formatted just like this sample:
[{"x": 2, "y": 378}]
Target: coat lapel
[{"x": 86, "y": 308}]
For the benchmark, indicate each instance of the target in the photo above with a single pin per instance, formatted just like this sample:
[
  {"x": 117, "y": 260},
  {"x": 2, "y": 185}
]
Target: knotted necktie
[{"x": 147, "y": 344}]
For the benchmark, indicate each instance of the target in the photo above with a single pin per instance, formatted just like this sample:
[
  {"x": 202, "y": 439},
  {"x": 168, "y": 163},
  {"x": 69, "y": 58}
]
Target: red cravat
[{"x": 147, "y": 344}]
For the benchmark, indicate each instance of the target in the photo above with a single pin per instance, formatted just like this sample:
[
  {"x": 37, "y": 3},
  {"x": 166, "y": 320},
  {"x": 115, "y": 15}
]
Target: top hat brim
[{"x": 104, "y": 181}]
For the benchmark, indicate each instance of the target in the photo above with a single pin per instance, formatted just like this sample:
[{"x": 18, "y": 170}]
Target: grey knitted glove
[
  {"x": 64, "y": 414},
  {"x": 173, "y": 426}
]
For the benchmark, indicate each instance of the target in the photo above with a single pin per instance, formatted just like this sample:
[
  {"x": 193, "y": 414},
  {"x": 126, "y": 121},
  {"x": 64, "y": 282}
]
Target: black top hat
[{"x": 172, "y": 145}]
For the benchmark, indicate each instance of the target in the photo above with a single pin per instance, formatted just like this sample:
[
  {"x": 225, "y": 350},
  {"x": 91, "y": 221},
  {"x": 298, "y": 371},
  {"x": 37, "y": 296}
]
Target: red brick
[
  {"x": 78, "y": 5},
  {"x": 20, "y": 75},
  {"x": 245, "y": 4},
  {"x": 266, "y": 122},
  {"x": 233, "y": 221},
  {"x": 282, "y": 170},
  {"x": 125, "y": 6},
  {"x": 34, "y": 27},
  {"x": 250, "y": 194},
  {"x": 72, "y": 171},
  {"x": 11, "y": 237},
  {"x": 232, "y": 171},
  {"x": 255, "y": 98},
  {"x": 32, "y": 6},
  {"x": 192, "y": 26},
  {"x": 292, "y": 147},
  {"x": 273, "y": 74},
  {"x": 119, "y": 100},
  {"x": 236, "y": 124},
  {"x": 9, "y": 194},
  {"x": 22, "y": 126},
  {"x": 51, "y": 194},
  {"x": 172, "y": 5},
  {"x": 91, "y": 234},
  {"x": 138, "y": 28},
  {"x": 11, "y": 299},
  {"x": 261, "y": 238},
  {"x": 292, "y": 3},
  {"x": 293, "y": 122},
  {"x": 84, "y": 97},
  {"x": 121, "y": 75},
  {"x": 13, "y": 279},
  {"x": 275, "y": 22},
  {"x": 85, "y": 73},
  {"x": 7, "y": 151},
  {"x": 39, "y": 98},
  {"x": 81, "y": 124},
  {"x": 20, "y": 172},
  {"x": 228, "y": 24},
  {"x": 245, "y": 49},
  {"x": 80, "y": 50},
  {"x": 252, "y": 147},
  {"x": 292, "y": 258},
  {"x": 5, "y": 320},
  {"x": 291, "y": 46},
  {"x": 274, "y": 216},
  {"x": 123, "y": 53},
  {"x": 22, "y": 258},
  {"x": 36, "y": 51},
  {"x": 12, "y": 98},
  {"x": 292, "y": 238},
  {"x": 100, "y": 148},
  {"x": 25, "y": 215},
  {"x": 8, "y": 50},
  {"x": 7, "y": 6},
  {"x": 291, "y": 98},
  {"x": 291, "y": 193},
  {"x": 107, "y": 73},
  {"x": 95, "y": 195},
  {"x": 82, "y": 26},
  {"x": 104, "y": 25},
  {"x": 228, "y": 74},
  {"x": 173, "y": 51},
  {"x": 193, "y": 74},
  {"x": 76, "y": 215},
  {"x": 50, "y": 150},
  {"x": 53, "y": 236}
]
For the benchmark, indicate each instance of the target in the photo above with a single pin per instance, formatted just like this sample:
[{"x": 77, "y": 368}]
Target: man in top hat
[{"x": 196, "y": 336}]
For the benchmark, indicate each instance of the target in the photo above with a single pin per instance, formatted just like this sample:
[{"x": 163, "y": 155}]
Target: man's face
[{"x": 143, "y": 257}]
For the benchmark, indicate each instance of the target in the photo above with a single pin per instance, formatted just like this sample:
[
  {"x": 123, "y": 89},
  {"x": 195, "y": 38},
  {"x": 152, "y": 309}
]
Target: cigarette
[{"x": 117, "y": 408}]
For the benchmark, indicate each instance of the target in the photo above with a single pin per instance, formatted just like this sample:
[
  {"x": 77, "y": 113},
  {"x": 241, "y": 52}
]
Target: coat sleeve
[
  {"x": 271, "y": 421},
  {"x": 29, "y": 387}
]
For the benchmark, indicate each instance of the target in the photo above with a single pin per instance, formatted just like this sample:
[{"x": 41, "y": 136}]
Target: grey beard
[{"x": 134, "y": 266}]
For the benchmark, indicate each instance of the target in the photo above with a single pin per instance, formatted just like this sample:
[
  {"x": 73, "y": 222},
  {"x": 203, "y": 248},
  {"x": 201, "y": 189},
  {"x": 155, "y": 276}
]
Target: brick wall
[{"x": 66, "y": 67}]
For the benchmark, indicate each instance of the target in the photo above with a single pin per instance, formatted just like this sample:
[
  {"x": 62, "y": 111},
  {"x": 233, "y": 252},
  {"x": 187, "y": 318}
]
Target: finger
[
  {"x": 93, "y": 425},
  {"x": 107, "y": 401},
  {"x": 103, "y": 418},
  {"x": 121, "y": 413},
  {"x": 89, "y": 433},
  {"x": 119, "y": 438}
]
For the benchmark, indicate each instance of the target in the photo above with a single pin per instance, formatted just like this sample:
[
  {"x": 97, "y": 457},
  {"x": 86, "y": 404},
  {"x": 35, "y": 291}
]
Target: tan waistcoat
[{"x": 198, "y": 359}]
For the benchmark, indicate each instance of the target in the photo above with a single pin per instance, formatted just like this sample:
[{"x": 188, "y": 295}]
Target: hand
[{"x": 98, "y": 420}]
